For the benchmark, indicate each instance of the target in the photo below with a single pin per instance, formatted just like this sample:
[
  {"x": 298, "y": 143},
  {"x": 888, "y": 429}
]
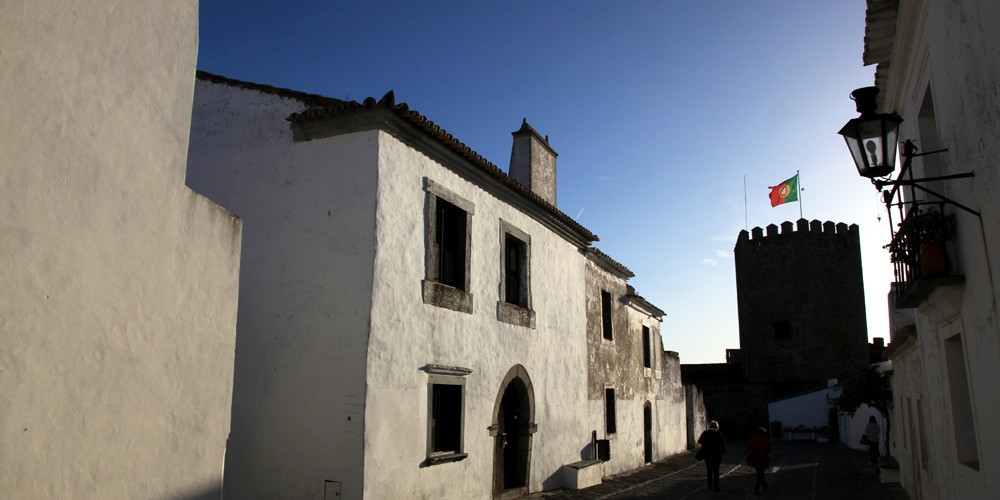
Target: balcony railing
[{"x": 915, "y": 275}]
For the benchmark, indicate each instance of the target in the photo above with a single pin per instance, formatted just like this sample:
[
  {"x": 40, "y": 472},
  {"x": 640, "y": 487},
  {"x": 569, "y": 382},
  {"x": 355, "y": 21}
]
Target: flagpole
[
  {"x": 798, "y": 187},
  {"x": 746, "y": 219}
]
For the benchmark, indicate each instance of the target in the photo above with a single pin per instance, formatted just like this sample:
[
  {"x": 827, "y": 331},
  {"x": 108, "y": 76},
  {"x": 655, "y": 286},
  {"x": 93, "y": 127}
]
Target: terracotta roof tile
[
  {"x": 311, "y": 100},
  {"x": 609, "y": 263},
  {"x": 639, "y": 299},
  {"x": 425, "y": 125}
]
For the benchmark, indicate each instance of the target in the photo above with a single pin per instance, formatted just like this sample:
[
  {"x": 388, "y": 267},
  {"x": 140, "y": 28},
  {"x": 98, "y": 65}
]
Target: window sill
[
  {"x": 515, "y": 315},
  {"x": 447, "y": 297},
  {"x": 445, "y": 457}
]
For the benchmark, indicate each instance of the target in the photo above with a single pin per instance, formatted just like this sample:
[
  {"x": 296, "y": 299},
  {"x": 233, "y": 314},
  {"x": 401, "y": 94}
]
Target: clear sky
[{"x": 658, "y": 109}]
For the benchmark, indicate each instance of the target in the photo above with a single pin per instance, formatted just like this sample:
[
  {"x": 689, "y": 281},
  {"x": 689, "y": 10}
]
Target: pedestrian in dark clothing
[
  {"x": 757, "y": 450},
  {"x": 713, "y": 446},
  {"x": 872, "y": 431}
]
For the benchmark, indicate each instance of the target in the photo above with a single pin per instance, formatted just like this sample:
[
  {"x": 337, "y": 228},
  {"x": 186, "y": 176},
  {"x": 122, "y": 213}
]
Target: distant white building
[
  {"x": 414, "y": 322},
  {"x": 118, "y": 306},
  {"x": 938, "y": 69}
]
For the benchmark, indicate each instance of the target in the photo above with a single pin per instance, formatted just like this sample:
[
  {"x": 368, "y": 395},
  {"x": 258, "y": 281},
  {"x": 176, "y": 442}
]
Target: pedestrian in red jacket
[{"x": 757, "y": 450}]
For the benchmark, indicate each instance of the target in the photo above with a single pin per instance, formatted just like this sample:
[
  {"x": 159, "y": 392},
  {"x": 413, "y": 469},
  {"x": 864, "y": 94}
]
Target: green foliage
[{"x": 867, "y": 387}]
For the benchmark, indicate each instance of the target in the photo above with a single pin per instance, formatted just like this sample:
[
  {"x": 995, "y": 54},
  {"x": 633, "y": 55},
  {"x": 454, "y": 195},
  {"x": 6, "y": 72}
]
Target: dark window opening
[
  {"x": 646, "y": 354},
  {"x": 446, "y": 418},
  {"x": 515, "y": 271},
  {"x": 606, "y": 315},
  {"x": 609, "y": 411},
  {"x": 782, "y": 330},
  {"x": 450, "y": 237},
  {"x": 962, "y": 414}
]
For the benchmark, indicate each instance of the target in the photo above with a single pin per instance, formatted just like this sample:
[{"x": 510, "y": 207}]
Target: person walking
[
  {"x": 758, "y": 449},
  {"x": 872, "y": 431},
  {"x": 713, "y": 446}
]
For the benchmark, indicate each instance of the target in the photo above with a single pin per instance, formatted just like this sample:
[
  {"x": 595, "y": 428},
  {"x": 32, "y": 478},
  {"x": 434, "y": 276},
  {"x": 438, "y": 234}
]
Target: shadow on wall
[
  {"x": 213, "y": 492},
  {"x": 553, "y": 482}
]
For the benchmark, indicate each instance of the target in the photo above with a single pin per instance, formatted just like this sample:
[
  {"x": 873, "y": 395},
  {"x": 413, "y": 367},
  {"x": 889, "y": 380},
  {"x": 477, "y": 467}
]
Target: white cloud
[
  {"x": 722, "y": 253},
  {"x": 710, "y": 262}
]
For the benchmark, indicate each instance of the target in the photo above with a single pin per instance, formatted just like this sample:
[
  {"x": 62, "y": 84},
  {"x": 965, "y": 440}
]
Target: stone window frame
[
  {"x": 438, "y": 375},
  {"x": 647, "y": 350},
  {"x": 607, "y": 317},
  {"x": 959, "y": 383},
  {"x": 515, "y": 314},
  {"x": 434, "y": 292}
]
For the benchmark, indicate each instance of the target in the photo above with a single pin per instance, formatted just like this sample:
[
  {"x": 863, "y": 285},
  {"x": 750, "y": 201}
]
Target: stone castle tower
[{"x": 801, "y": 302}]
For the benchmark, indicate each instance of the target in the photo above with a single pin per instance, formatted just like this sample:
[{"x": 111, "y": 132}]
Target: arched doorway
[
  {"x": 647, "y": 432},
  {"x": 513, "y": 426}
]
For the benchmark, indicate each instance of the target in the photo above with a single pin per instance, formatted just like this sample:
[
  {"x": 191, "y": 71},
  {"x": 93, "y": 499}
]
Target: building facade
[
  {"x": 118, "y": 314},
  {"x": 938, "y": 67},
  {"x": 413, "y": 321}
]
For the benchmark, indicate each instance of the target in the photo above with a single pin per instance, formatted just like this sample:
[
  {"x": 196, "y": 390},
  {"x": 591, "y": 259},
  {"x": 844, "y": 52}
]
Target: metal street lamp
[{"x": 871, "y": 137}]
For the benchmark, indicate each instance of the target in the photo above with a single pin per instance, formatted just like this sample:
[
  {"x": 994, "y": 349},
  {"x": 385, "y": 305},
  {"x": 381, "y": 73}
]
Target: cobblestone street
[{"x": 799, "y": 470}]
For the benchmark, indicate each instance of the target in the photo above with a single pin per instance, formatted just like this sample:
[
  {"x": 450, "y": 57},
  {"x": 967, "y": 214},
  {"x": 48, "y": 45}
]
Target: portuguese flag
[{"x": 785, "y": 192}]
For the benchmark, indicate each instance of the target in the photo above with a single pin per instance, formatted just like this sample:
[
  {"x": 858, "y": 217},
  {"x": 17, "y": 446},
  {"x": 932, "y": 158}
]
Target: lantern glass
[{"x": 872, "y": 142}]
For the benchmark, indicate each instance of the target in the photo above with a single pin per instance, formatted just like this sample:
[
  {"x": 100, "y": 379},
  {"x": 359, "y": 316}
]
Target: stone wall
[{"x": 801, "y": 302}]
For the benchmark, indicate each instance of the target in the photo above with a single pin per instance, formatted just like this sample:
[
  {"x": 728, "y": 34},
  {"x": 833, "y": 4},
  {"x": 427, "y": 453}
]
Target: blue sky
[{"x": 658, "y": 110}]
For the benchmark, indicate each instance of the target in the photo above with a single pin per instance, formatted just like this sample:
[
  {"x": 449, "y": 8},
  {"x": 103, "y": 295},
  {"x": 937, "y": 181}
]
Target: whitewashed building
[
  {"x": 939, "y": 69},
  {"x": 413, "y": 322},
  {"x": 119, "y": 296}
]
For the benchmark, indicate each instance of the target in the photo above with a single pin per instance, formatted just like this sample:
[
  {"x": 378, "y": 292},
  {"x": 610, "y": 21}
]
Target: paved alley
[{"x": 799, "y": 470}]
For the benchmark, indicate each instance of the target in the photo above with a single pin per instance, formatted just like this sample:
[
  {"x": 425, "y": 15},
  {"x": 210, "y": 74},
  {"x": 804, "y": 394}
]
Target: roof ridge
[
  {"x": 310, "y": 99},
  {"x": 415, "y": 118}
]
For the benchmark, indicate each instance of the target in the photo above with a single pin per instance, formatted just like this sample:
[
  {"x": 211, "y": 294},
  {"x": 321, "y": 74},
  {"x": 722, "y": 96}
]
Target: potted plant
[{"x": 921, "y": 238}]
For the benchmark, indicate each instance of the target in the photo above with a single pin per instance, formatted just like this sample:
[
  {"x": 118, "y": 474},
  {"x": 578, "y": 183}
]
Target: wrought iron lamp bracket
[{"x": 908, "y": 154}]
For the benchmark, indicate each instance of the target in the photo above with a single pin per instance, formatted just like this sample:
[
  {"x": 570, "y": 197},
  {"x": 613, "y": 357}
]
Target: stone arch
[{"x": 512, "y": 428}]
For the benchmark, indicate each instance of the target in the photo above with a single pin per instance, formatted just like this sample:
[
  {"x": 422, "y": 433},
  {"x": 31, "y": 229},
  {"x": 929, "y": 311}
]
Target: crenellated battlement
[
  {"x": 801, "y": 301},
  {"x": 801, "y": 228}
]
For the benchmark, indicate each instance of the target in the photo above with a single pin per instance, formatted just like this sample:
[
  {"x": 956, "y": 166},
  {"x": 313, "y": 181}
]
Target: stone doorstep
[{"x": 582, "y": 474}]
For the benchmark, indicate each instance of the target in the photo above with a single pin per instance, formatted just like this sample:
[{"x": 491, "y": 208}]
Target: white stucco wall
[
  {"x": 809, "y": 410},
  {"x": 305, "y": 287},
  {"x": 909, "y": 433},
  {"x": 118, "y": 309},
  {"x": 952, "y": 50},
  {"x": 852, "y": 428},
  {"x": 408, "y": 334},
  {"x": 660, "y": 386},
  {"x": 697, "y": 417},
  {"x": 671, "y": 410}
]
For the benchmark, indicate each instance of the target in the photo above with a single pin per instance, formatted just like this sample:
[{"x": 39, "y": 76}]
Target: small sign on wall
[{"x": 331, "y": 490}]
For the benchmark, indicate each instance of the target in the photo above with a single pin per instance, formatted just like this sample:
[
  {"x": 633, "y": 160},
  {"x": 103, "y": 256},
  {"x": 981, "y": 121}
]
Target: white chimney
[{"x": 533, "y": 162}]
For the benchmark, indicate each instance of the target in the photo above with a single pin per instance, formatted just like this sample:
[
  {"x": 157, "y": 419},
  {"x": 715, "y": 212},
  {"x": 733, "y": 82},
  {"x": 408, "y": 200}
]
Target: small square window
[
  {"x": 782, "y": 330},
  {"x": 606, "y": 315}
]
